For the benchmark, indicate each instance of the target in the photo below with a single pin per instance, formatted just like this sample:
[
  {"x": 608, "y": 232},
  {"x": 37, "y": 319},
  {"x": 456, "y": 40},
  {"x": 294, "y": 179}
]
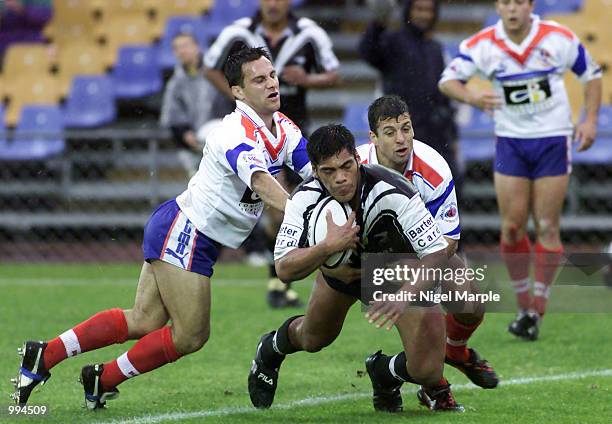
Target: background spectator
[
  {"x": 187, "y": 103},
  {"x": 411, "y": 62},
  {"x": 22, "y": 21}
]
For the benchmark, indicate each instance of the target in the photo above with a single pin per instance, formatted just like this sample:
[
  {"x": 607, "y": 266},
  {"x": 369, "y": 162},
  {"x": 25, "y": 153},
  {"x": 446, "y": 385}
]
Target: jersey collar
[
  {"x": 272, "y": 144},
  {"x": 373, "y": 159},
  {"x": 500, "y": 33}
]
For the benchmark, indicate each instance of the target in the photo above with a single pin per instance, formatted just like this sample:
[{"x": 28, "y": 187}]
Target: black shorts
[{"x": 352, "y": 289}]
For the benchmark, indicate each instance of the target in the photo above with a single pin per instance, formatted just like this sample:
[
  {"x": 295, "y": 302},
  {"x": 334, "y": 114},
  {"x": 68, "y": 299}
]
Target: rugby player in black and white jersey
[
  {"x": 302, "y": 55},
  {"x": 372, "y": 192}
]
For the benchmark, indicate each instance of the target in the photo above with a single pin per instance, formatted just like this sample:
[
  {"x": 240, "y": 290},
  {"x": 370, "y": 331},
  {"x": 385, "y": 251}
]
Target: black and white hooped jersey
[{"x": 391, "y": 215}]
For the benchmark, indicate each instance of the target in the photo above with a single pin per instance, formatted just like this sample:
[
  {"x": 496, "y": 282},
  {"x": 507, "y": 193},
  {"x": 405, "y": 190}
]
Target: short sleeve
[
  {"x": 245, "y": 160},
  {"x": 462, "y": 67},
  {"x": 292, "y": 232},
  {"x": 420, "y": 227}
]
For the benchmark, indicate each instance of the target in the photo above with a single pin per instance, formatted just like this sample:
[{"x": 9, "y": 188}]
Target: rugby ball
[{"x": 318, "y": 227}]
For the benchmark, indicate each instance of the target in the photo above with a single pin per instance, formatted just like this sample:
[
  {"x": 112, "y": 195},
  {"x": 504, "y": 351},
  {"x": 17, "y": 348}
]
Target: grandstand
[{"x": 83, "y": 158}]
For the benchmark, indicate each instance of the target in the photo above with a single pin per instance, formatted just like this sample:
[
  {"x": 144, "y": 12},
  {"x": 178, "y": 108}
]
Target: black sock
[
  {"x": 381, "y": 367},
  {"x": 281, "y": 339},
  {"x": 270, "y": 353}
]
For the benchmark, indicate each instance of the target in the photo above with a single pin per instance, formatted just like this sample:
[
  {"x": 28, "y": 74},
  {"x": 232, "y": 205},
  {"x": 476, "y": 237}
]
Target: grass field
[{"x": 565, "y": 377}]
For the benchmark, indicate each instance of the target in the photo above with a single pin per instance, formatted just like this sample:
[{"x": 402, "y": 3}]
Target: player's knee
[
  {"x": 191, "y": 342},
  {"x": 512, "y": 231},
  {"x": 548, "y": 231},
  {"x": 141, "y": 322}
]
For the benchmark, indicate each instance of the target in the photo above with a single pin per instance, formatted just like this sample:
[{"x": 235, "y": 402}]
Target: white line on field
[
  {"x": 60, "y": 282},
  {"x": 320, "y": 400}
]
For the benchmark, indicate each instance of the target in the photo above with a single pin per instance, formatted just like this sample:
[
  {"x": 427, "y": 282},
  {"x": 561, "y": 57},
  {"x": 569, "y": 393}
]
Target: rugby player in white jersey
[
  {"x": 392, "y": 145},
  {"x": 220, "y": 206},
  {"x": 372, "y": 192},
  {"x": 525, "y": 58}
]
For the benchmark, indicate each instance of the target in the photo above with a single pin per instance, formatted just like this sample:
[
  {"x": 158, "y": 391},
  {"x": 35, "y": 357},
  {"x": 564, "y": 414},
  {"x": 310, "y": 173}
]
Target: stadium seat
[
  {"x": 546, "y": 7},
  {"x": 2, "y": 125},
  {"x": 491, "y": 19},
  {"x": 356, "y": 120},
  {"x": 70, "y": 18},
  {"x": 451, "y": 48},
  {"x": 39, "y": 135},
  {"x": 80, "y": 57},
  {"x": 91, "y": 102},
  {"x": 477, "y": 138},
  {"x": 122, "y": 30},
  {"x": 41, "y": 90},
  {"x": 176, "y": 25},
  {"x": 136, "y": 73},
  {"x": 228, "y": 11},
  {"x": 169, "y": 8},
  {"x": 26, "y": 59}
]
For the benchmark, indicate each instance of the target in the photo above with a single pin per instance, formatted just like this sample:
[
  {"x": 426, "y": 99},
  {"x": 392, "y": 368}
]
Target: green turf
[{"x": 41, "y": 301}]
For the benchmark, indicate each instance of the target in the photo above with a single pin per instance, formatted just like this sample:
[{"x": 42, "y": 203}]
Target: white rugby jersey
[
  {"x": 219, "y": 199},
  {"x": 528, "y": 77},
  {"x": 391, "y": 216},
  {"x": 432, "y": 177}
]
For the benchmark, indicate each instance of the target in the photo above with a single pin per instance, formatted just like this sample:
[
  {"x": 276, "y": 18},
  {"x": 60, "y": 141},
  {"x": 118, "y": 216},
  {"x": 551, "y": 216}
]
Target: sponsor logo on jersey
[
  {"x": 424, "y": 233},
  {"x": 450, "y": 212},
  {"x": 521, "y": 92},
  {"x": 288, "y": 236}
]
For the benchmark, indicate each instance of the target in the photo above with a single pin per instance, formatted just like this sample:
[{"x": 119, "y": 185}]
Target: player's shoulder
[
  {"x": 288, "y": 123},
  {"x": 553, "y": 27},
  {"x": 482, "y": 36},
  {"x": 304, "y": 23},
  {"x": 364, "y": 152},
  {"x": 308, "y": 192},
  {"x": 234, "y": 129},
  {"x": 378, "y": 179},
  {"x": 429, "y": 164}
]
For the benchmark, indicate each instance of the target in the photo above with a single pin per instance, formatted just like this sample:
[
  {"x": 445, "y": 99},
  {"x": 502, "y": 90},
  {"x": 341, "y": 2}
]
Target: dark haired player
[{"x": 220, "y": 206}]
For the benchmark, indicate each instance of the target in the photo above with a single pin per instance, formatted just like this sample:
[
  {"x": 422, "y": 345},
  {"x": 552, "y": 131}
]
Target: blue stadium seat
[
  {"x": 491, "y": 19},
  {"x": 229, "y": 10},
  {"x": 91, "y": 102},
  {"x": 2, "y": 125},
  {"x": 356, "y": 120},
  {"x": 39, "y": 135},
  {"x": 451, "y": 48},
  {"x": 136, "y": 73},
  {"x": 601, "y": 151},
  {"x": 547, "y": 7},
  {"x": 176, "y": 25},
  {"x": 477, "y": 137}
]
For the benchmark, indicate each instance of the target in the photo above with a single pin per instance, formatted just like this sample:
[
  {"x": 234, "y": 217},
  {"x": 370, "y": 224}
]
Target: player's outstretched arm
[
  {"x": 386, "y": 313},
  {"x": 587, "y": 129},
  {"x": 301, "y": 262},
  {"x": 486, "y": 100},
  {"x": 269, "y": 190}
]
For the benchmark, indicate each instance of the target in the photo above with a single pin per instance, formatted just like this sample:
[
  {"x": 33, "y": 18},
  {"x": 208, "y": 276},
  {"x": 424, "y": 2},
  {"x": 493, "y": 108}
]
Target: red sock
[
  {"x": 103, "y": 329},
  {"x": 517, "y": 258},
  {"x": 546, "y": 264},
  {"x": 150, "y": 352},
  {"x": 457, "y": 336}
]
